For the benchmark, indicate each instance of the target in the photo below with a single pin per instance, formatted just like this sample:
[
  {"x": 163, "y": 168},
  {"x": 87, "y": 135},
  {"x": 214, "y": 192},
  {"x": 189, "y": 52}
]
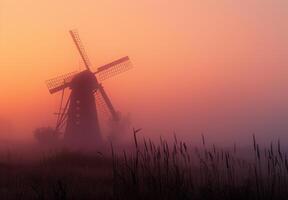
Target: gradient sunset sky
[{"x": 213, "y": 66}]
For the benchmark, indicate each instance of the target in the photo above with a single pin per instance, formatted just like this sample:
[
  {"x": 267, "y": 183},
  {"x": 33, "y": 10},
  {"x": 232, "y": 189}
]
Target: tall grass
[
  {"x": 180, "y": 171},
  {"x": 163, "y": 170}
]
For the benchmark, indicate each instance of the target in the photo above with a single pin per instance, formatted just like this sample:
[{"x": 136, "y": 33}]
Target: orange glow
[{"x": 218, "y": 66}]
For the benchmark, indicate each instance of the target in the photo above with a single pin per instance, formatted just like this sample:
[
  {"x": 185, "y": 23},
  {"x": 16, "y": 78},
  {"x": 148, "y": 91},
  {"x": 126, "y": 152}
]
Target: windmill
[{"x": 79, "y": 111}]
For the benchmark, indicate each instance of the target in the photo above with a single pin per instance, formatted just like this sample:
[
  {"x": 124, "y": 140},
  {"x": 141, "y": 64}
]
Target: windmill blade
[
  {"x": 104, "y": 100},
  {"x": 62, "y": 117},
  {"x": 76, "y": 38},
  {"x": 117, "y": 67},
  {"x": 60, "y": 82},
  {"x": 102, "y": 108}
]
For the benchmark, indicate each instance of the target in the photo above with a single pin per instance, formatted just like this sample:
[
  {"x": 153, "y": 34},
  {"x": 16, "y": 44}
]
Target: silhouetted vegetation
[
  {"x": 179, "y": 171},
  {"x": 150, "y": 171},
  {"x": 46, "y": 135}
]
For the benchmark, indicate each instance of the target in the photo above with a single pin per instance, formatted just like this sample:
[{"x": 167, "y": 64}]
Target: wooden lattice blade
[
  {"x": 76, "y": 38},
  {"x": 114, "y": 68},
  {"x": 105, "y": 103},
  {"x": 102, "y": 108},
  {"x": 59, "y": 83}
]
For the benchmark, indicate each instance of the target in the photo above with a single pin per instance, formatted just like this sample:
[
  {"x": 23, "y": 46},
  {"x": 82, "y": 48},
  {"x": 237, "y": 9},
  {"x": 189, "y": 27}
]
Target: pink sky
[{"x": 218, "y": 67}]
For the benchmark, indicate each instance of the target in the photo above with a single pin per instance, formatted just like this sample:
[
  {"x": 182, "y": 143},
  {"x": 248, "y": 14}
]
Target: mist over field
[
  {"x": 218, "y": 69},
  {"x": 200, "y": 113}
]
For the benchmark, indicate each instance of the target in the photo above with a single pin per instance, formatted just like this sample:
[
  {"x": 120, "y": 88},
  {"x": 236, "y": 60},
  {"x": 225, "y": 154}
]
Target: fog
[{"x": 218, "y": 69}]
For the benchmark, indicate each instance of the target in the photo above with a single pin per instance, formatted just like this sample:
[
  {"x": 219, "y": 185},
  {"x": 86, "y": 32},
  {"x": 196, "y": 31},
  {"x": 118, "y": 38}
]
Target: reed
[{"x": 178, "y": 171}]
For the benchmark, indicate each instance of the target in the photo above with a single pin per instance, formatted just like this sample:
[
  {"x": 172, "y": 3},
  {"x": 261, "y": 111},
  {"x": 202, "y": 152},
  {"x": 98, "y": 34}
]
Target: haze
[{"x": 217, "y": 67}]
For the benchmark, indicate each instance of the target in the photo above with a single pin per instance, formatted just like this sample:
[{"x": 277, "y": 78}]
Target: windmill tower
[{"x": 78, "y": 115}]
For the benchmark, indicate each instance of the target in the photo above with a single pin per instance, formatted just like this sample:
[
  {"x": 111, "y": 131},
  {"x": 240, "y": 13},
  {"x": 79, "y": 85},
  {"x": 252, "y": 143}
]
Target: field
[{"x": 148, "y": 170}]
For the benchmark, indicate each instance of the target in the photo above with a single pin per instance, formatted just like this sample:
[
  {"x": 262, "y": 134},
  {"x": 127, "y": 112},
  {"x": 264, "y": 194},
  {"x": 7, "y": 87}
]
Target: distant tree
[{"x": 46, "y": 135}]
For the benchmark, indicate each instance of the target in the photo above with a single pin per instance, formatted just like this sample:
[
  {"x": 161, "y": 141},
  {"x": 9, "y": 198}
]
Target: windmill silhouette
[{"x": 79, "y": 112}]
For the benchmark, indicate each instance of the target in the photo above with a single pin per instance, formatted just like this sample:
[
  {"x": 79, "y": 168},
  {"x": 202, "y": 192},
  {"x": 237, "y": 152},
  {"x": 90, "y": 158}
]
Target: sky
[{"x": 212, "y": 67}]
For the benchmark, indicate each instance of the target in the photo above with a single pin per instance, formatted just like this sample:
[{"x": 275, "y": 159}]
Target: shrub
[{"x": 46, "y": 135}]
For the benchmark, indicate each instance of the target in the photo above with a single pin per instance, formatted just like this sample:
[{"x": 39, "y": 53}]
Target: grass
[
  {"x": 59, "y": 175},
  {"x": 174, "y": 170},
  {"x": 178, "y": 171}
]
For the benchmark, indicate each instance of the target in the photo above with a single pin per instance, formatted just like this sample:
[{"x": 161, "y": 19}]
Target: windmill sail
[
  {"x": 105, "y": 101},
  {"x": 76, "y": 38},
  {"x": 60, "y": 82},
  {"x": 102, "y": 108},
  {"x": 114, "y": 68}
]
